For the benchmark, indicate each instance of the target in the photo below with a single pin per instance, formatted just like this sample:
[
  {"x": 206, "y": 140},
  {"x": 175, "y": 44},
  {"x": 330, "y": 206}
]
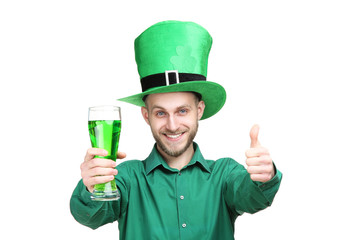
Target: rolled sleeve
[
  {"x": 90, "y": 213},
  {"x": 244, "y": 195}
]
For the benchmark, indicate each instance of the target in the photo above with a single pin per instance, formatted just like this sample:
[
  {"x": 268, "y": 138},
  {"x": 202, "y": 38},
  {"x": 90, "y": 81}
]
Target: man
[{"x": 175, "y": 193}]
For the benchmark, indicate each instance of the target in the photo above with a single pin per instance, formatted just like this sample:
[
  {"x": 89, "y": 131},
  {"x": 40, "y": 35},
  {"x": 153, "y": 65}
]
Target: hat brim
[{"x": 213, "y": 95}]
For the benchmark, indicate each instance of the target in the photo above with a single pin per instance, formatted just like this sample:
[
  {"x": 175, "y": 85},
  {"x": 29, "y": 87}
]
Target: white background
[{"x": 290, "y": 66}]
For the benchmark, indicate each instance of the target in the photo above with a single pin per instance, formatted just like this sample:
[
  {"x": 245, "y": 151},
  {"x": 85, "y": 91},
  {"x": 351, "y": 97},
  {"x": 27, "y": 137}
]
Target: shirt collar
[{"x": 155, "y": 159}]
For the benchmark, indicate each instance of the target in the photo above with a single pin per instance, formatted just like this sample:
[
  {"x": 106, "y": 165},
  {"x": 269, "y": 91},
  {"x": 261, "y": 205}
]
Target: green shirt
[{"x": 202, "y": 201}]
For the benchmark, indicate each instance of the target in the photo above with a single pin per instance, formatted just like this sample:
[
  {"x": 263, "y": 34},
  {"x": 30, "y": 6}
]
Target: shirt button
[
  {"x": 181, "y": 197},
  {"x": 184, "y": 225}
]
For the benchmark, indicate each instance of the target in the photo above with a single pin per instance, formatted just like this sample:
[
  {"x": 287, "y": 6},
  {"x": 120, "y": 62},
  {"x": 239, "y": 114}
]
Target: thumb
[
  {"x": 254, "y": 133},
  {"x": 120, "y": 155}
]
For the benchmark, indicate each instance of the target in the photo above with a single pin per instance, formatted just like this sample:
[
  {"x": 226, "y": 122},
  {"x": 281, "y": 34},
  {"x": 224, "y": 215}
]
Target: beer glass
[{"x": 104, "y": 129}]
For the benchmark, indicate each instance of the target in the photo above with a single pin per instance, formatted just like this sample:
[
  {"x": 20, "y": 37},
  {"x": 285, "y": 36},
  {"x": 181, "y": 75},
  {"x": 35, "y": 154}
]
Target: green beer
[{"x": 105, "y": 134}]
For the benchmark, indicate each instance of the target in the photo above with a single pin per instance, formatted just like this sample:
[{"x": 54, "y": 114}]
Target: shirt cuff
[
  {"x": 84, "y": 195},
  {"x": 272, "y": 182}
]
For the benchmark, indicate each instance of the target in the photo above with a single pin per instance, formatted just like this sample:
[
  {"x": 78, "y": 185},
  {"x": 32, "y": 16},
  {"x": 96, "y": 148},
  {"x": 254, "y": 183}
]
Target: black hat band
[{"x": 168, "y": 78}]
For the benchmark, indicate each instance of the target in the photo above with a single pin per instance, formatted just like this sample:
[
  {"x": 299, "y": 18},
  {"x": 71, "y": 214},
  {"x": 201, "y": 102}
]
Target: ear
[
  {"x": 201, "y": 108},
  {"x": 145, "y": 114}
]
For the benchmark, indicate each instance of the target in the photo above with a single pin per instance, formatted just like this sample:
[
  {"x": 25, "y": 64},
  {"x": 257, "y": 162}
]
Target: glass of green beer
[{"x": 104, "y": 129}]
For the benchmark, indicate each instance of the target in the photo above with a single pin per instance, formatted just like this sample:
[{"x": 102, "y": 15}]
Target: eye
[
  {"x": 160, "y": 113},
  {"x": 183, "y": 111}
]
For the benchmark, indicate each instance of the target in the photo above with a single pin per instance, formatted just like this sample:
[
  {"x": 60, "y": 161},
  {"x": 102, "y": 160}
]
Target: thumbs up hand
[{"x": 259, "y": 162}]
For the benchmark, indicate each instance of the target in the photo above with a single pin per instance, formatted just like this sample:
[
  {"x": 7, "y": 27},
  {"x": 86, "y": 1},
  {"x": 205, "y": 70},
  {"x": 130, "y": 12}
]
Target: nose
[{"x": 172, "y": 123}]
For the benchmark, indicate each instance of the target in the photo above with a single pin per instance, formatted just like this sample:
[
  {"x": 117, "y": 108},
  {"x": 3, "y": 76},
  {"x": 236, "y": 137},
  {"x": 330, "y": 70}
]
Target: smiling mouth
[{"x": 173, "y": 136}]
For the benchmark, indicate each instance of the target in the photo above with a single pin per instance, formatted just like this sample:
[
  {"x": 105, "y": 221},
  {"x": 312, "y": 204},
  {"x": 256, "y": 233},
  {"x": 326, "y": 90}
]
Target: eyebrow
[{"x": 179, "y": 107}]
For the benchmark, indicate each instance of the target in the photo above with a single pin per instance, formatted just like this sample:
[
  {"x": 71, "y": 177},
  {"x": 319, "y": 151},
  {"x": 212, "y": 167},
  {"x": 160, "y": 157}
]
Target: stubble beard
[{"x": 172, "y": 152}]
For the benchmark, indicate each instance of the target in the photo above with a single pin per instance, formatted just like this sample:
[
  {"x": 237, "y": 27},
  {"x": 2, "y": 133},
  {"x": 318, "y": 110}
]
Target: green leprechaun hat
[{"x": 172, "y": 56}]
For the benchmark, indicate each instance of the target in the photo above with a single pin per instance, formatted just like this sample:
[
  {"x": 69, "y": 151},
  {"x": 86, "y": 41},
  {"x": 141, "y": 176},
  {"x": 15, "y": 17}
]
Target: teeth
[{"x": 173, "y": 136}]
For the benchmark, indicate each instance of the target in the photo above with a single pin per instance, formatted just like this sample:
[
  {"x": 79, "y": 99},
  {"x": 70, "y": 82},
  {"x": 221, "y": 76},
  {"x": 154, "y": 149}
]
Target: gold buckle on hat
[{"x": 167, "y": 76}]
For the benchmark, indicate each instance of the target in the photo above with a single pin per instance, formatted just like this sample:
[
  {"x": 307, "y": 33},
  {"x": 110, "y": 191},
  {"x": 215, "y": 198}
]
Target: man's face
[{"x": 173, "y": 119}]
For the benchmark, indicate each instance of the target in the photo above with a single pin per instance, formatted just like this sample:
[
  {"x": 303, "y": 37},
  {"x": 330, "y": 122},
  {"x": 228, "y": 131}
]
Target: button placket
[{"x": 180, "y": 201}]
